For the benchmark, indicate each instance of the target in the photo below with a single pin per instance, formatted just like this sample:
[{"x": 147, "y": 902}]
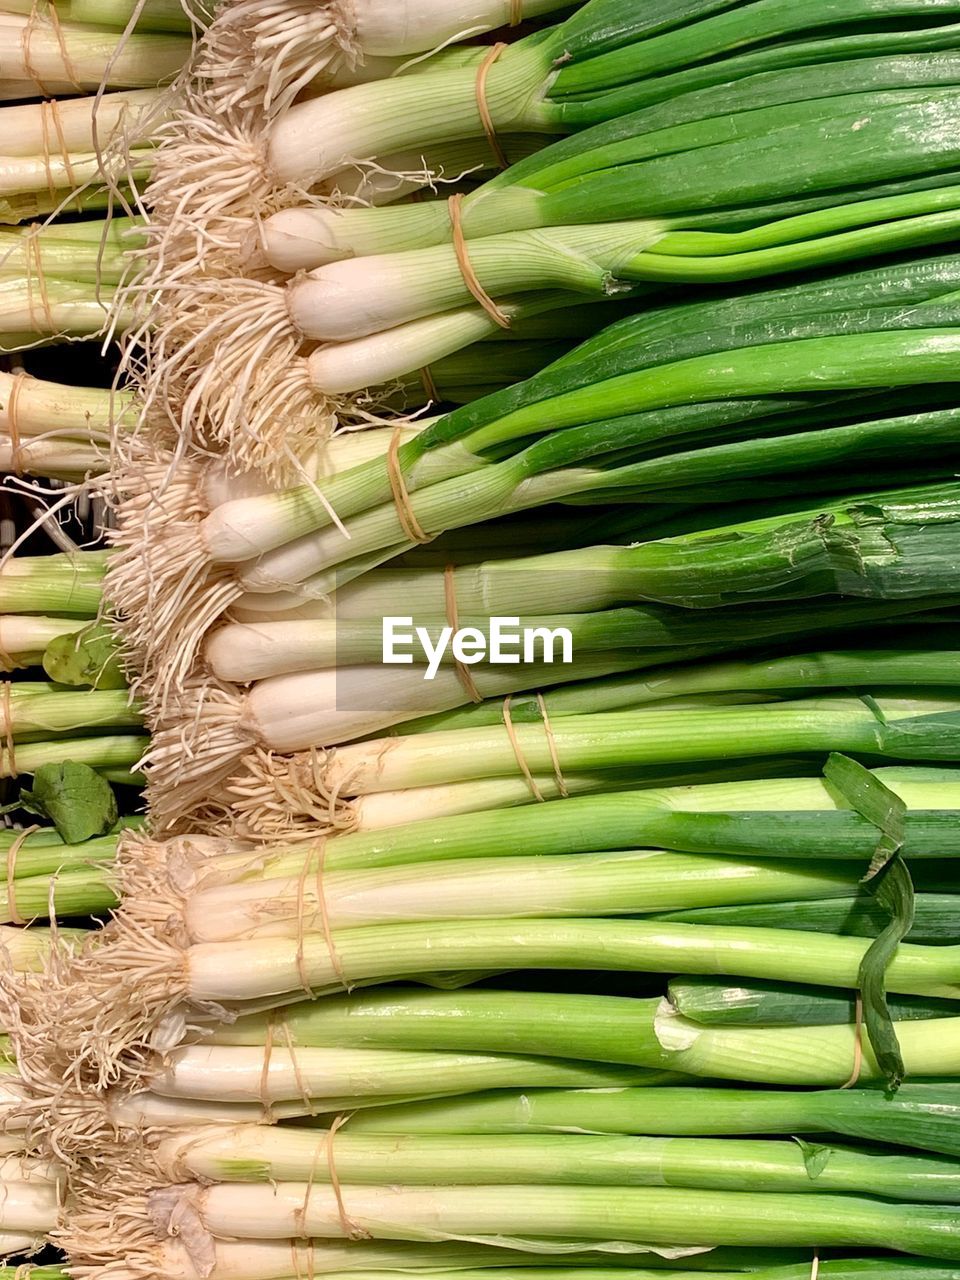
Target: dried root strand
[
  {"x": 284, "y": 797},
  {"x": 197, "y": 744},
  {"x": 258, "y": 56}
]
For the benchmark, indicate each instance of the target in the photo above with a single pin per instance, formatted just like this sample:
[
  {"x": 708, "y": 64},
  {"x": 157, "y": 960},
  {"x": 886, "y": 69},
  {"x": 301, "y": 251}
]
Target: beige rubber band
[
  {"x": 32, "y": 249},
  {"x": 297, "y": 1073},
  {"x": 450, "y": 600},
  {"x": 325, "y": 921},
  {"x": 815, "y": 1268},
  {"x": 518, "y": 753},
  {"x": 470, "y": 278},
  {"x": 70, "y": 71},
  {"x": 51, "y": 105},
  {"x": 552, "y": 747},
  {"x": 300, "y": 1215},
  {"x": 47, "y": 154},
  {"x": 268, "y": 1117},
  {"x": 12, "y": 852},
  {"x": 857, "y": 1047},
  {"x": 409, "y": 523},
  {"x": 26, "y": 36},
  {"x": 302, "y": 930},
  {"x": 352, "y": 1230},
  {"x": 11, "y": 763},
  {"x": 429, "y": 386},
  {"x": 486, "y": 119},
  {"x": 516, "y": 12},
  {"x": 16, "y": 453}
]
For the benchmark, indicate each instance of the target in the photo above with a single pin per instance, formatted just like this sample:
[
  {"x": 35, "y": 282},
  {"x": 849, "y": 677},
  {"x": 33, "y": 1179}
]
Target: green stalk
[
  {"x": 773, "y": 818},
  {"x": 62, "y": 584},
  {"x": 776, "y": 1004},
  {"x": 647, "y": 1216},
  {"x": 607, "y": 884},
  {"x": 46, "y": 711},
  {"x": 256, "y": 1153},
  {"x": 918, "y": 1115},
  {"x": 272, "y": 966},
  {"x": 616, "y": 692},
  {"x": 113, "y": 755},
  {"x": 917, "y": 728},
  {"x": 674, "y": 336},
  {"x": 600, "y": 1028},
  {"x": 935, "y": 919},
  {"x": 598, "y": 462},
  {"x": 154, "y": 15}
]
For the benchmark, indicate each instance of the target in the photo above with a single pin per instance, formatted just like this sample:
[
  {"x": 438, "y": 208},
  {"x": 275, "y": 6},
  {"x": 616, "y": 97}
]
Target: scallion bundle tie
[
  {"x": 470, "y": 277},
  {"x": 429, "y": 386},
  {"x": 521, "y": 758},
  {"x": 815, "y": 1267},
  {"x": 13, "y": 425},
  {"x": 857, "y": 1047},
  {"x": 13, "y": 912},
  {"x": 552, "y": 747},
  {"x": 33, "y": 263},
  {"x": 516, "y": 12},
  {"x": 411, "y": 526},
  {"x": 453, "y": 621},
  {"x": 26, "y": 37},
  {"x": 486, "y": 118},
  {"x": 351, "y": 1229},
  {"x": 9, "y": 765},
  {"x": 50, "y": 105},
  {"x": 324, "y": 924}
]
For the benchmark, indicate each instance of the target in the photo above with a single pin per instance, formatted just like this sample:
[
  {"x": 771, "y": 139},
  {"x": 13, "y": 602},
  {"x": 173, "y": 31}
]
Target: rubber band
[
  {"x": 70, "y": 71},
  {"x": 516, "y": 13},
  {"x": 16, "y": 453},
  {"x": 51, "y": 105},
  {"x": 518, "y": 753},
  {"x": 450, "y": 600},
  {"x": 486, "y": 119},
  {"x": 325, "y": 921},
  {"x": 351, "y": 1229},
  {"x": 9, "y": 746},
  {"x": 14, "y": 915},
  {"x": 47, "y": 154},
  {"x": 815, "y": 1268},
  {"x": 401, "y": 497},
  {"x": 300, "y": 1215},
  {"x": 298, "y": 1075},
  {"x": 26, "y": 36},
  {"x": 302, "y": 931},
  {"x": 552, "y": 748},
  {"x": 265, "y": 1101},
  {"x": 470, "y": 278},
  {"x": 429, "y": 386},
  {"x": 32, "y": 249},
  {"x": 857, "y": 1047}
]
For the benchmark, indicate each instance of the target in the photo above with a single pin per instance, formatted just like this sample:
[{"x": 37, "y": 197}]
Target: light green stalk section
[
  {"x": 606, "y": 884},
  {"x": 652, "y": 736},
  {"x": 262, "y": 1154},
  {"x": 659, "y": 1217},
  {"x": 67, "y": 584},
  {"x": 237, "y": 971},
  {"x": 116, "y": 755},
  {"x": 46, "y": 710}
]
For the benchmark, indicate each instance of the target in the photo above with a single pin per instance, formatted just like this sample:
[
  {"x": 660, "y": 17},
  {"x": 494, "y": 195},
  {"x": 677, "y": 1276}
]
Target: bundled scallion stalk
[{"x": 47, "y": 56}]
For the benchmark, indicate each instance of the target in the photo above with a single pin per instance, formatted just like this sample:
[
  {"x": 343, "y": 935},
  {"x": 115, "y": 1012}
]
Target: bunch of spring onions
[
  {"x": 671, "y": 378},
  {"x": 886, "y": 548},
  {"x": 820, "y": 152}
]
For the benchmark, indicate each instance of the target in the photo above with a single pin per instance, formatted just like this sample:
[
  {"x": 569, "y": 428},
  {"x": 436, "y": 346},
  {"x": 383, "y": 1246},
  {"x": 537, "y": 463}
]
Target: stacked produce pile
[{"x": 634, "y": 328}]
